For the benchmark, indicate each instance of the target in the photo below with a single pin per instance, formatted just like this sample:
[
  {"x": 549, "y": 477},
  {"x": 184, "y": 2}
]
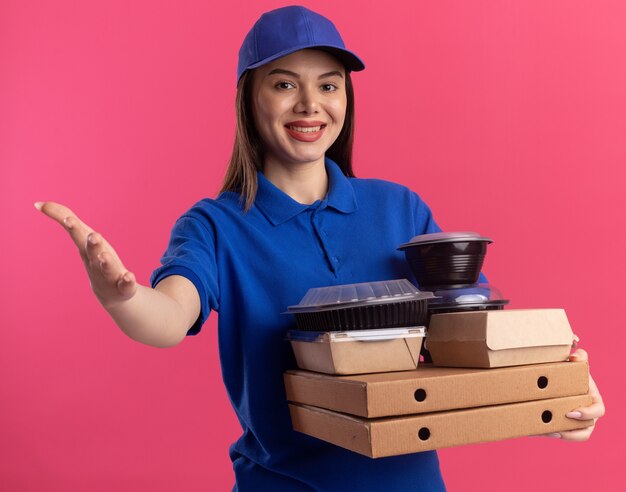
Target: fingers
[
  {"x": 107, "y": 271},
  {"x": 590, "y": 413},
  {"x": 579, "y": 355},
  {"x": 573, "y": 435},
  {"x": 596, "y": 409},
  {"x": 110, "y": 268},
  {"x": 109, "y": 279},
  {"x": 57, "y": 212},
  {"x": 554, "y": 435},
  {"x": 127, "y": 285},
  {"x": 113, "y": 271},
  {"x": 76, "y": 228},
  {"x": 593, "y": 411},
  {"x": 95, "y": 246},
  {"x": 578, "y": 435}
]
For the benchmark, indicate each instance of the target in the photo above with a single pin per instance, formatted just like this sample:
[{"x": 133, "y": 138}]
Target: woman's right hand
[{"x": 110, "y": 281}]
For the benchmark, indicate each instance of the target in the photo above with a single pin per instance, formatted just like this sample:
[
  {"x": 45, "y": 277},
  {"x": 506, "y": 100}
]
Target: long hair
[{"x": 248, "y": 152}]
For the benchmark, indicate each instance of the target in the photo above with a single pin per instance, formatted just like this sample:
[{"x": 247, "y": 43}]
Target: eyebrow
[{"x": 297, "y": 76}]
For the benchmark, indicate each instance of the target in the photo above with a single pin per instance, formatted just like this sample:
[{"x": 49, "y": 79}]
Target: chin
[{"x": 306, "y": 157}]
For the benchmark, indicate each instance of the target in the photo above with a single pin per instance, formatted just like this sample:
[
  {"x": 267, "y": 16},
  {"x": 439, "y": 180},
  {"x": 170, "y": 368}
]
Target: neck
[{"x": 305, "y": 183}]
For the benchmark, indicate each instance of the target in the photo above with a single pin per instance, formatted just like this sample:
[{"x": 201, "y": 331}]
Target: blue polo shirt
[{"x": 249, "y": 267}]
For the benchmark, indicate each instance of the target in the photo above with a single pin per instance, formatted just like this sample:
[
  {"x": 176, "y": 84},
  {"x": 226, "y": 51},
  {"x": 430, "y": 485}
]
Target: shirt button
[{"x": 335, "y": 259}]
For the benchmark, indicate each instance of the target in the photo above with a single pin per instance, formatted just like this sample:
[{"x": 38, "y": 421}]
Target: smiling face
[{"x": 299, "y": 106}]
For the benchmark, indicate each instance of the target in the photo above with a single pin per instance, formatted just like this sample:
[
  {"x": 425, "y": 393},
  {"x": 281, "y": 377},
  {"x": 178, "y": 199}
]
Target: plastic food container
[
  {"x": 473, "y": 298},
  {"x": 451, "y": 259},
  {"x": 358, "y": 351},
  {"x": 363, "y": 306}
]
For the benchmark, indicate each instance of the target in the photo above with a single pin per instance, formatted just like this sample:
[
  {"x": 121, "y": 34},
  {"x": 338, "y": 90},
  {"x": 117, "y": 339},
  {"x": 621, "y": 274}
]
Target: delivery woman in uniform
[{"x": 290, "y": 216}]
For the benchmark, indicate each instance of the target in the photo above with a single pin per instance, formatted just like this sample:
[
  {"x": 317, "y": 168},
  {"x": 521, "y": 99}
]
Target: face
[{"x": 299, "y": 104}]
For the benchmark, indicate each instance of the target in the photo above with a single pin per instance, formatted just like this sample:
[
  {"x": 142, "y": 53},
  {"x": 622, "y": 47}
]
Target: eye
[
  {"x": 329, "y": 87},
  {"x": 284, "y": 85}
]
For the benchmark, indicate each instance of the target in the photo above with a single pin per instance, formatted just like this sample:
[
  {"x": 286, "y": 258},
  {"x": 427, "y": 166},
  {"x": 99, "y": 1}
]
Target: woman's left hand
[{"x": 592, "y": 412}]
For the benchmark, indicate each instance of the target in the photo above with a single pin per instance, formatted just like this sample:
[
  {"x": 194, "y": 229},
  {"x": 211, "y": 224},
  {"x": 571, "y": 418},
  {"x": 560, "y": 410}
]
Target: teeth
[{"x": 305, "y": 129}]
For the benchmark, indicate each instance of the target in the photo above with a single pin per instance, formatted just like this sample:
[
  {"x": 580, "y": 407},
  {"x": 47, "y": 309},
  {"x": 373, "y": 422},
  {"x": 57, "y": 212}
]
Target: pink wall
[{"x": 508, "y": 117}]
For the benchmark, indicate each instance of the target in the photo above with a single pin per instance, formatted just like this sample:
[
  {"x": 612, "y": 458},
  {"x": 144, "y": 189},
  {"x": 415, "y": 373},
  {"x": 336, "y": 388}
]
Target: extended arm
[{"x": 159, "y": 317}]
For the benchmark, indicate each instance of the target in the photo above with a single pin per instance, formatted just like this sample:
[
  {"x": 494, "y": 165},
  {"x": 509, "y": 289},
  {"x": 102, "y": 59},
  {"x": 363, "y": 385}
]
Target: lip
[
  {"x": 305, "y": 136},
  {"x": 305, "y": 123}
]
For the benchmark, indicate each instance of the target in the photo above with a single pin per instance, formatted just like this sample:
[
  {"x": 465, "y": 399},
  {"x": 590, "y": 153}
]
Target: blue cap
[{"x": 280, "y": 32}]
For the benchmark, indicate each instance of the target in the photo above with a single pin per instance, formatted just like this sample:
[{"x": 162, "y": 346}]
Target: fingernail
[
  {"x": 38, "y": 205},
  {"x": 91, "y": 239},
  {"x": 554, "y": 435},
  {"x": 574, "y": 415},
  {"x": 126, "y": 277},
  {"x": 68, "y": 222}
]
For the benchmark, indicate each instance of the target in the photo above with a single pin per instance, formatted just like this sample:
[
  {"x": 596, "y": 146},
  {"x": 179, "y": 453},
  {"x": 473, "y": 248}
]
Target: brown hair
[{"x": 248, "y": 151}]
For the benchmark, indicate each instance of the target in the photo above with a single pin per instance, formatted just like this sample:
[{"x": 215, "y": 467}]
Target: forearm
[{"x": 151, "y": 317}]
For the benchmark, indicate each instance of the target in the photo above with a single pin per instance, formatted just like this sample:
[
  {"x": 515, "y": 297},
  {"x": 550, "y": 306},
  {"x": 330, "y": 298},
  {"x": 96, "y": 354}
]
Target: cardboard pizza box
[
  {"x": 430, "y": 389},
  {"x": 390, "y": 436}
]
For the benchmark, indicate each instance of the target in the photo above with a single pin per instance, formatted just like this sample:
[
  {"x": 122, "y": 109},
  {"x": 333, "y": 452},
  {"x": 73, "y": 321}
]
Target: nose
[{"x": 307, "y": 101}]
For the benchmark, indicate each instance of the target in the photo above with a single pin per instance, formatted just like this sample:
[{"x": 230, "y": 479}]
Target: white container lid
[{"x": 373, "y": 335}]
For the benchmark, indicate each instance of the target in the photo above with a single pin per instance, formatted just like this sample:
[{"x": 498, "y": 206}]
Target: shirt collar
[{"x": 279, "y": 207}]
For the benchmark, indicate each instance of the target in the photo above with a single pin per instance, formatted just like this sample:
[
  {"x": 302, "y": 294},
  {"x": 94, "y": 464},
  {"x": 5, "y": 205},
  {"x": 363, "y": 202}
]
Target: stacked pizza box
[{"x": 495, "y": 373}]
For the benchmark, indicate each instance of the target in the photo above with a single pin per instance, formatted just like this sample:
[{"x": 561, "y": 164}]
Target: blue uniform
[{"x": 249, "y": 267}]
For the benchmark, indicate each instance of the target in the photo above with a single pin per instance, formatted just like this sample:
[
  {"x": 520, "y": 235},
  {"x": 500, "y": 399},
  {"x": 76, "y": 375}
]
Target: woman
[{"x": 290, "y": 216}]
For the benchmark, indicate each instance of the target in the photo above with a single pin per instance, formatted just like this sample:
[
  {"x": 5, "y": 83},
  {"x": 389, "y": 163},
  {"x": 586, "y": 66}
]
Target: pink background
[{"x": 508, "y": 117}]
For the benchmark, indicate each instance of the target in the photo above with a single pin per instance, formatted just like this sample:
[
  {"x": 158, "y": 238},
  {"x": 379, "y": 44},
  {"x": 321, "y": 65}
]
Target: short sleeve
[
  {"x": 191, "y": 254},
  {"x": 424, "y": 221}
]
